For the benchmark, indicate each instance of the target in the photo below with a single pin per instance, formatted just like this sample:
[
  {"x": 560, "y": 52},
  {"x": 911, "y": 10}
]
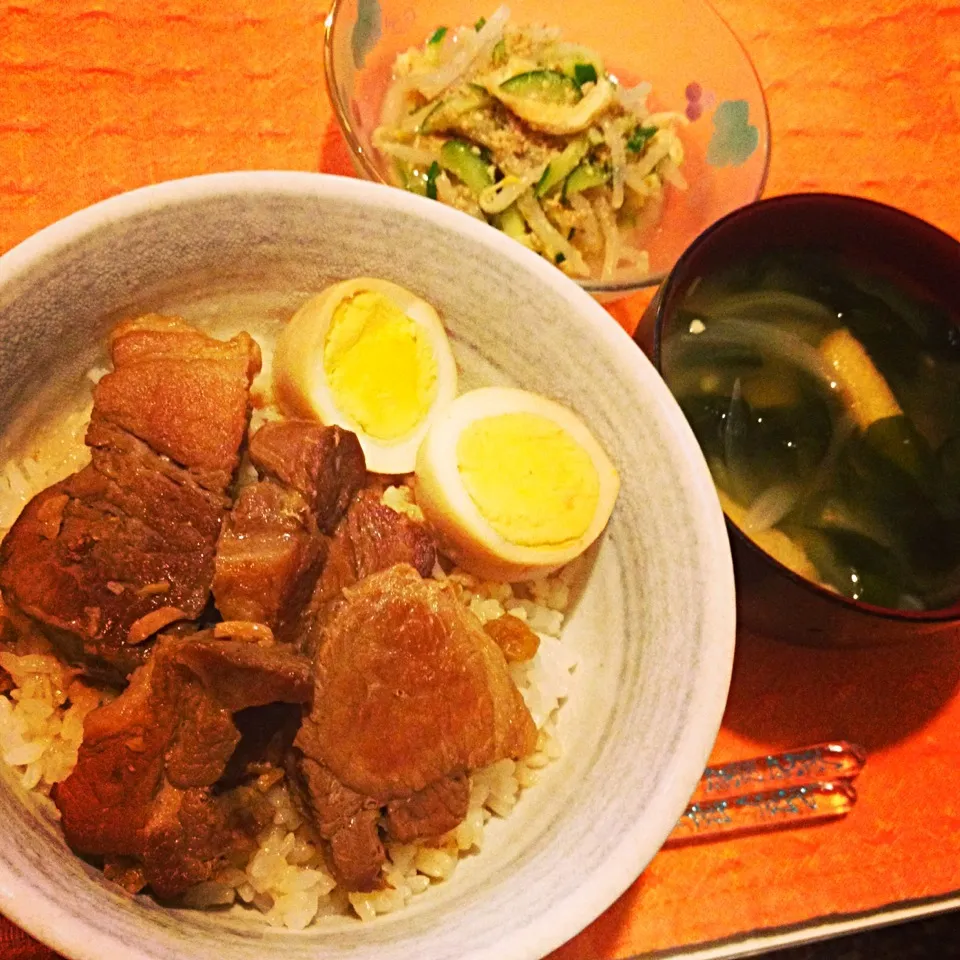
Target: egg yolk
[
  {"x": 532, "y": 482},
  {"x": 379, "y": 366}
]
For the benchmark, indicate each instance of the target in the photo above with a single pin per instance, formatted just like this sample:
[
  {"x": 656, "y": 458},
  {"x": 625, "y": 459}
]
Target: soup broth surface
[{"x": 826, "y": 399}]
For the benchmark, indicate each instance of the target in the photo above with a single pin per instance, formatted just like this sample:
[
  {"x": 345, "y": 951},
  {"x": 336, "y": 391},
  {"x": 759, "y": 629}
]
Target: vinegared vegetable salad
[
  {"x": 521, "y": 128},
  {"x": 827, "y": 402}
]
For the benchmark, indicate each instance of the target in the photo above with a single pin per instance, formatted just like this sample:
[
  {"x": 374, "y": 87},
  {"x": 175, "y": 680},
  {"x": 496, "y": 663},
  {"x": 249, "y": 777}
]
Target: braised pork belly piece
[
  {"x": 370, "y": 538},
  {"x": 108, "y": 557},
  {"x": 272, "y": 546},
  {"x": 142, "y": 792},
  {"x": 324, "y": 464},
  {"x": 410, "y": 694}
]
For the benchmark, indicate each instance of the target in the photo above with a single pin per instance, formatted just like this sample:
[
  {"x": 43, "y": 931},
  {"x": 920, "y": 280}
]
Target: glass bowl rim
[{"x": 620, "y": 288}]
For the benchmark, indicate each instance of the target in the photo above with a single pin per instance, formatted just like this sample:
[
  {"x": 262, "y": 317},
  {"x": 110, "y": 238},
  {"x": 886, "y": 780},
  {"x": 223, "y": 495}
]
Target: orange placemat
[{"x": 100, "y": 96}]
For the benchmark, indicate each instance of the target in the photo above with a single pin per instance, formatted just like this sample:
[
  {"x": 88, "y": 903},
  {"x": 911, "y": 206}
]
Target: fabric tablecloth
[{"x": 101, "y": 96}]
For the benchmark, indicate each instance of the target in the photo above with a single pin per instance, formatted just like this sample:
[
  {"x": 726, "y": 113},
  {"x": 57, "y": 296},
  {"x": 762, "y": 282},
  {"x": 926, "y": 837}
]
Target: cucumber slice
[
  {"x": 584, "y": 177},
  {"x": 448, "y": 111},
  {"x": 558, "y": 170},
  {"x": 409, "y": 179},
  {"x": 511, "y": 222},
  {"x": 467, "y": 164},
  {"x": 545, "y": 86}
]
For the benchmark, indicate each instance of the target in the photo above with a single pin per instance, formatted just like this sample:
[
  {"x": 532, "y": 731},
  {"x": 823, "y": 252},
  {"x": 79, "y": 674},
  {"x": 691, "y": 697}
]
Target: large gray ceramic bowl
[{"x": 654, "y": 627}]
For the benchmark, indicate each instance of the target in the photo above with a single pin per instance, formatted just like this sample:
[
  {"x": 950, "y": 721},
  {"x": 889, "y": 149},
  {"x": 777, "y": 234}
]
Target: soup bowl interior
[
  {"x": 653, "y": 626},
  {"x": 858, "y": 237}
]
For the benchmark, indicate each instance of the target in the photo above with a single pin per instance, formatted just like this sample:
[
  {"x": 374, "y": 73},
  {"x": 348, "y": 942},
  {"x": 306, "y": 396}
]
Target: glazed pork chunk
[
  {"x": 273, "y": 544},
  {"x": 142, "y": 792},
  {"x": 410, "y": 694},
  {"x": 370, "y": 538},
  {"x": 108, "y": 557}
]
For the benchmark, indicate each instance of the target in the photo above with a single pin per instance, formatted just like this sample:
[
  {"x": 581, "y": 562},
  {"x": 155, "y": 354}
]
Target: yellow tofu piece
[{"x": 866, "y": 394}]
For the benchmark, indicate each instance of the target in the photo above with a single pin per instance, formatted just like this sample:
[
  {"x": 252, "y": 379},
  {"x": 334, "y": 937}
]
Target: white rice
[
  {"x": 286, "y": 879},
  {"x": 55, "y": 451},
  {"x": 41, "y": 718}
]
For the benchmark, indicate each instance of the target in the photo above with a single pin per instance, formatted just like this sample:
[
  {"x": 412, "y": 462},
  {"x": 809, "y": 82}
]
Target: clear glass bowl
[{"x": 682, "y": 47}]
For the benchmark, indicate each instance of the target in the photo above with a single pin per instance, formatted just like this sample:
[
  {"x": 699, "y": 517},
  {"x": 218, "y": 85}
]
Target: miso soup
[{"x": 827, "y": 403}]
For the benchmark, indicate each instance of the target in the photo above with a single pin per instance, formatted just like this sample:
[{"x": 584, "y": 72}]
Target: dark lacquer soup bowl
[{"x": 813, "y": 344}]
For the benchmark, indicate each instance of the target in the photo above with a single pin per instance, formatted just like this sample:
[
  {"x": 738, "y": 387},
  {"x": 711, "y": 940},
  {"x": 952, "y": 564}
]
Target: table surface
[{"x": 100, "y": 96}]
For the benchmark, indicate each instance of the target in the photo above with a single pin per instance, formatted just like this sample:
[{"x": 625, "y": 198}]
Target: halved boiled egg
[
  {"x": 372, "y": 357},
  {"x": 514, "y": 485}
]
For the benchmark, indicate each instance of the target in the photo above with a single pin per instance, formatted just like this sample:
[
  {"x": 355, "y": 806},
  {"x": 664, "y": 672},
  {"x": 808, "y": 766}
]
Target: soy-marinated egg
[
  {"x": 371, "y": 357},
  {"x": 513, "y": 484}
]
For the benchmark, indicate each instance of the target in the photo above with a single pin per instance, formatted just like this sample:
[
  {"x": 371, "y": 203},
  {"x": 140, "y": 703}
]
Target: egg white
[
  {"x": 464, "y": 533},
  {"x": 300, "y": 380}
]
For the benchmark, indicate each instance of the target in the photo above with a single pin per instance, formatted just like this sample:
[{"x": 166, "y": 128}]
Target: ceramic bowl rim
[{"x": 68, "y": 933}]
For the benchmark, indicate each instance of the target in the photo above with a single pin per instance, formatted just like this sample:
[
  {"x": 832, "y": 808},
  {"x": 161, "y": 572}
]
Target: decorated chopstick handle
[
  {"x": 824, "y": 762},
  {"x": 769, "y": 810}
]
